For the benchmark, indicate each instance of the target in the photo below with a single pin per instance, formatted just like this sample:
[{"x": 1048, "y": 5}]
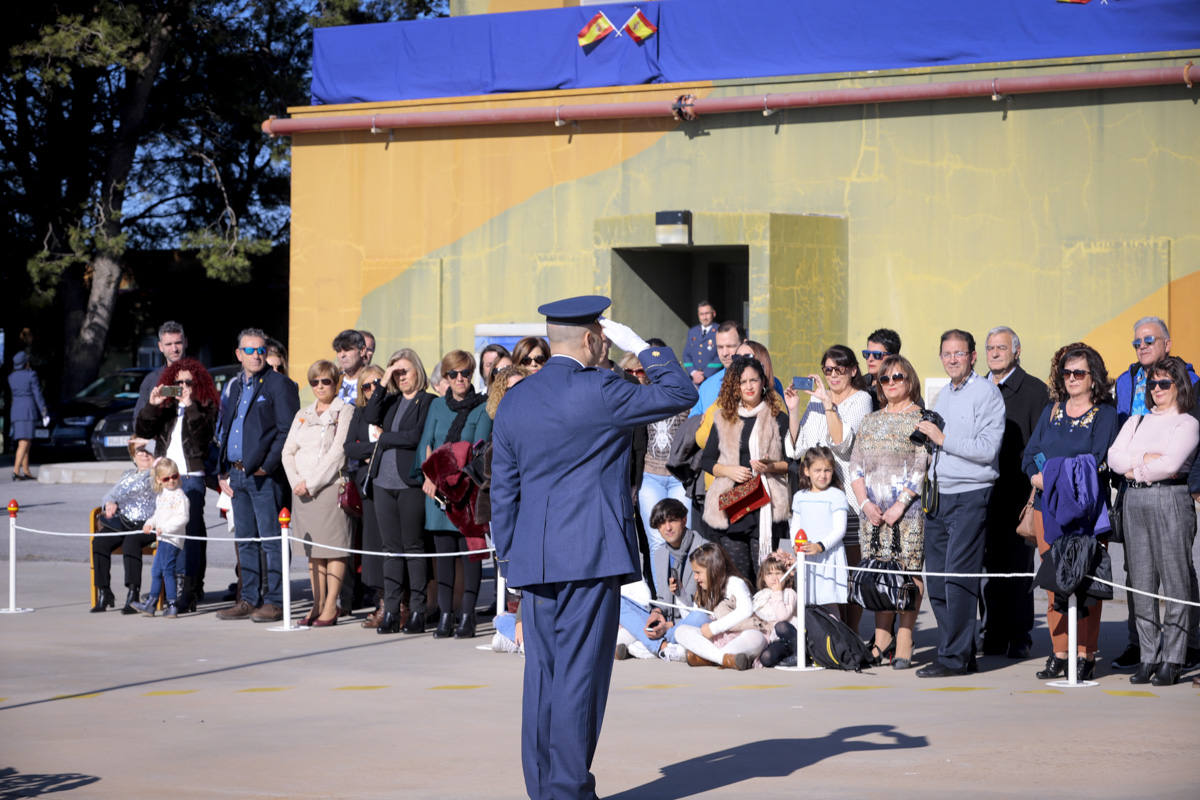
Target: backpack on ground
[{"x": 831, "y": 643}]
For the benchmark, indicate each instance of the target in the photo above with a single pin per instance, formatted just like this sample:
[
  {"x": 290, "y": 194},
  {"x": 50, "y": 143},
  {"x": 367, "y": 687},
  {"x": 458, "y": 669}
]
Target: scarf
[
  {"x": 462, "y": 409},
  {"x": 757, "y": 454},
  {"x": 765, "y": 445}
]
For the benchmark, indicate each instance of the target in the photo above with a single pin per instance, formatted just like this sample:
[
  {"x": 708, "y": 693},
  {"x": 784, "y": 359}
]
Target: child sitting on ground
[
  {"x": 168, "y": 523},
  {"x": 775, "y": 600},
  {"x": 732, "y": 639}
]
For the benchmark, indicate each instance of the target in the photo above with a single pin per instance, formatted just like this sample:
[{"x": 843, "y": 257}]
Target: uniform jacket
[
  {"x": 561, "y": 505},
  {"x": 700, "y": 351},
  {"x": 272, "y": 408},
  {"x": 27, "y": 401}
]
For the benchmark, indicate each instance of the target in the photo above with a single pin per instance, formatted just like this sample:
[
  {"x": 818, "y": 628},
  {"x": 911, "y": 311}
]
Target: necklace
[{"x": 888, "y": 408}]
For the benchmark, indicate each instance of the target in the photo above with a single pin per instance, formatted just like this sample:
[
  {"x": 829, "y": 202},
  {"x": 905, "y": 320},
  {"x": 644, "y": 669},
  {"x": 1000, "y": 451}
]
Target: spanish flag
[
  {"x": 597, "y": 28},
  {"x": 639, "y": 27}
]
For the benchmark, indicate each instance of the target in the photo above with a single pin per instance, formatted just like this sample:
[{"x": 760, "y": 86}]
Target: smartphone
[
  {"x": 171, "y": 391},
  {"x": 802, "y": 384},
  {"x": 1039, "y": 461}
]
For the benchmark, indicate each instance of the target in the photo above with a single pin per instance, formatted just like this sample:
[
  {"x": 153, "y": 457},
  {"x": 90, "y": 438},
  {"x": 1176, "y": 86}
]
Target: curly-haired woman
[
  {"x": 748, "y": 430},
  {"x": 1081, "y": 419},
  {"x": 180, "y": 417}
]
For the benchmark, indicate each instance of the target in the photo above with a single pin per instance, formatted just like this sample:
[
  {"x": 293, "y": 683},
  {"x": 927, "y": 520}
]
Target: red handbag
[{"x": 744, "y": 498}]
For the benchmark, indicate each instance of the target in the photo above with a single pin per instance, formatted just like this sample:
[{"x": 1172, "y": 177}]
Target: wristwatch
[{"x": 832, "y": 407}]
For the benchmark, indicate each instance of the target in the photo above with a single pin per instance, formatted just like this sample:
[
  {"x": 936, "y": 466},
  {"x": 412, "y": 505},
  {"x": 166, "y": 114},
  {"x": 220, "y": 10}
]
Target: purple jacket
[{"x": 1073, "y": 503}]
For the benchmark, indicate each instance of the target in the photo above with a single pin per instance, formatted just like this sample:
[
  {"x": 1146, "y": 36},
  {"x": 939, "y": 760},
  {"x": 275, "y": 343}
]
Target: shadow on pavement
[
  {"x": 13, "y": 784},
  {"x": 769, "y": 758}
]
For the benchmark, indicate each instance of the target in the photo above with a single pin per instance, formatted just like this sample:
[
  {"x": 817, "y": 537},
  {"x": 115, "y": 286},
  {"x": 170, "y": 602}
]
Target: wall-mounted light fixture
[{"x": 673, "y": 227}]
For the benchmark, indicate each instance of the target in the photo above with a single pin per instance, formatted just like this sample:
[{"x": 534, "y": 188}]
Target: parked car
[
  {"x": 73, "y": 423},
  {"x": 110, "y": 437}
]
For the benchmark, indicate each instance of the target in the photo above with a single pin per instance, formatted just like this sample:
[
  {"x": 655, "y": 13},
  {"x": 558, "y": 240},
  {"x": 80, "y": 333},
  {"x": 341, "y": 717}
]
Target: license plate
[
  {"x": 41, "y": 433},
  {"x": 116, "y": 441}
]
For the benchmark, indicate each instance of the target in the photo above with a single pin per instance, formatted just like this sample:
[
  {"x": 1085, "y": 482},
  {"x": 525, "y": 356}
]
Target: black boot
[
  {"x": 104, "y": 599},
  {"x": 388, "y": 623},
  {"x": 445, "y": 627},
  {"x": 1055, "y": 668},
  {"x": 466, "y": 626},
  {"x": 135, "y": 594},
  {"x": 185, "y": 599},
  {"x": 416, "y": 622}
]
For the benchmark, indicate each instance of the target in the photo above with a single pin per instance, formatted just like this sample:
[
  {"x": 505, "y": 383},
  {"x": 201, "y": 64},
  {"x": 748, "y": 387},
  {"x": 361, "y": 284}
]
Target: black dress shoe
[
  {"x": 1144, "y": 673},
  {"x": 466, "y": 626},
  {"x": 445, "y": 627},
  {"x": 1055, "y": 668},
  {"x": 104, "y": 599},
  {"x": 388, "y": 623},
  {"x": 1167, "y": 674},
  {"x": 134, "y": 595},
  {"x": 1129, "y": 658},
  {"x": 937, "y": 670},
  {"x": 415, "y": 624},
  {"x": 1018, "y": 651}
]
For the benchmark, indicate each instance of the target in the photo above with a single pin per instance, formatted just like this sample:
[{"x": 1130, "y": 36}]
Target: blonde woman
[{"x": 359, "y": 447}]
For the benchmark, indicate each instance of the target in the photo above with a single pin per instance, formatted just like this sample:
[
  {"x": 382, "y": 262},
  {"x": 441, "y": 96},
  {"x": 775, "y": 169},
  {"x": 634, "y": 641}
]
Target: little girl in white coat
[
  {"x": 169, "y": 523},
  {"x": 732, "y": 639},
  {"x": 820, "y": 509}
]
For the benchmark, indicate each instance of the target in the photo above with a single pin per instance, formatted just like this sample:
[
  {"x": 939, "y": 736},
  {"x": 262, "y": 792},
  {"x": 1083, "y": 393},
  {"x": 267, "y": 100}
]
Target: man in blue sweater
[{"x": 965, "y": 467}]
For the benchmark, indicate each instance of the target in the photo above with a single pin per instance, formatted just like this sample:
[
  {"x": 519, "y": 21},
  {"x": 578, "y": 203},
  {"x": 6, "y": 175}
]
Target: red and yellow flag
[
  {"x": 639, "y": 27},
  {"x": 596, "y": 29}
]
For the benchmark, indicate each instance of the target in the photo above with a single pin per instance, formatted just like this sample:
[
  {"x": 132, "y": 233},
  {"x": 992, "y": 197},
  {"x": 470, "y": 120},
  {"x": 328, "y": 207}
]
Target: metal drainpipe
[{"x": 687, "y": 107}]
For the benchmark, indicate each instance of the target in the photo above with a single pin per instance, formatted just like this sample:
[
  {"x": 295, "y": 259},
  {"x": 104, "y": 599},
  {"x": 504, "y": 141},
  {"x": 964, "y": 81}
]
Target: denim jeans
[
  {"x": 634, "y": 618},
  {"x": 195, "y": 551},
  {"x": 256, "y": 514},
  {"x": 656, "y": 488},
  {"x": 163, "y": 568}
]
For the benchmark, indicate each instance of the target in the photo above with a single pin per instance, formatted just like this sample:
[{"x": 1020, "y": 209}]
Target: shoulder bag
[{"x": 744, "y": 498}]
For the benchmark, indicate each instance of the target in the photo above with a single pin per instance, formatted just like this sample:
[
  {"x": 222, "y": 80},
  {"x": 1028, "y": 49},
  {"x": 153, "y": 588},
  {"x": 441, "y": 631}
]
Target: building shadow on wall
[
  {"x": 13, "y": 784},
  {"x": 769, "y": 758}
]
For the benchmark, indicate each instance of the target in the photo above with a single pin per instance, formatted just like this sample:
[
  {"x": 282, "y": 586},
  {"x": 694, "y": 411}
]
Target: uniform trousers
[
  {"x": 570, "y": 632},
  {"x": 401, "y": 517},
  {"x": 954, "y": 543},
  {"x": 1160, "y": 526}
]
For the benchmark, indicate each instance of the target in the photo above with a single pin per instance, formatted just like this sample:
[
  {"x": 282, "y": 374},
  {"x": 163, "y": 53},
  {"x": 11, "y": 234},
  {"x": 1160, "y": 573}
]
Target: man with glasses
[
  {"x": 349, "y": 346},
  {"x": 1151, "y": 343},
  {"x": 700, "y": 351},
  {"x": 964, "y": 468},
  {"x": 254, "y": 422},
  {"x": 172, "y": 343},
  {"x": 1007, "y": 607},
  {"x": 881, "y": 343}
]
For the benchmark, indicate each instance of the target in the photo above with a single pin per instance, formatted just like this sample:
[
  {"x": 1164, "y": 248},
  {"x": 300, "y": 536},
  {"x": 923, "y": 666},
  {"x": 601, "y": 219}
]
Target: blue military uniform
[
  {"x": 700, "y": 350},
  {"x": 563, "y": 519}
]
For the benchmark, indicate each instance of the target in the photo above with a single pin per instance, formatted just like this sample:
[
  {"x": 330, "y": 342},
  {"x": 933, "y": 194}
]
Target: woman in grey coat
[{"x": 27, "y": 406}]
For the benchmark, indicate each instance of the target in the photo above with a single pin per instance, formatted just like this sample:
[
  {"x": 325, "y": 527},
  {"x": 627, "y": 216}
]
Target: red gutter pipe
[{"x": 688, "y": 107}]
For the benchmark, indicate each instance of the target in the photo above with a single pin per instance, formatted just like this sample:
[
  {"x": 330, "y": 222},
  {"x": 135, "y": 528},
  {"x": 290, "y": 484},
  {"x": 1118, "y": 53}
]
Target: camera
[{"x": 927, "y": 415}]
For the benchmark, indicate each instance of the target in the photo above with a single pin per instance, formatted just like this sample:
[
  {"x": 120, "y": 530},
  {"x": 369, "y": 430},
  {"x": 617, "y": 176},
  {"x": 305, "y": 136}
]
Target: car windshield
[{"x": 120, "y": 384}]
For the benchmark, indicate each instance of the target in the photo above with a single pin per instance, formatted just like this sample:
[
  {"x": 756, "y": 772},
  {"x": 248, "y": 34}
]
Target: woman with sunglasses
[
  {"x": 461, "y": 415},
  {"x": 1155, "y": 451},
  {"x": 180, "y": 416},
  {"x": 887, "y": 471},
  {"x": 836, "y": 407},
  {"x": 1081, "y": 419},
  {"x": 313, "y": 455},
  {"x": 396, "y": 412},
  {"x": 359, "y": 448},
  {"x": 531, "y": 353}
]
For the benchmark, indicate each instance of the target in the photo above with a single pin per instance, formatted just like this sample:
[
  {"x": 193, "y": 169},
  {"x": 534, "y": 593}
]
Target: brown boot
[
  {"x": 696, "y": 661},
  {"x": 738, "y": 661},
  {"x": 240, "y": 610},
  {"x": 372, "y": 620}
]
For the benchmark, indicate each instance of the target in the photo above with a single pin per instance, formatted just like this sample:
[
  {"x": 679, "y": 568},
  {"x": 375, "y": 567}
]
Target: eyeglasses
[
  {"x": 874, "y": 355},
  {"x": 321, "y": 382},
  {"x": 895, "y": 377},
  {"x": 1164, "y": 384},
  {"x": 956, "y": 355},
  {"x": 184, "y": 382},
  {"x": 458, "y": 373},
  {"x": 835, "y": 370},
  {"x": 262, "y": 351},
  {"x": 527, "y": 360},
  {"x": 1077, "y": 374},
  {"x": 1145, "y": 340},
  {"x": 174, "y": 477},
  {"x": 637, "y": 372}
]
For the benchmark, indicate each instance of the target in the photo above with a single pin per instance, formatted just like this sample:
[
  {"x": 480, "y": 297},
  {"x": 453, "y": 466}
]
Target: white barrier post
[
  {"x": 12, "y": 562},
  {"x": 801, "y": 593},
  {"x": 285, "y": 566},
  {"x": 1072, "y": 681},
  {"x": 501, "y": 595}
]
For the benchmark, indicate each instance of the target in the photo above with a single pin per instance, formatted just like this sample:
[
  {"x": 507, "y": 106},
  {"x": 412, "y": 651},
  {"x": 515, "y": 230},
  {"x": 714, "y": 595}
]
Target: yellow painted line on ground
[
  {"x": 958, "y": 689},
  {"x": 853, "y": 688},
  {"x": 1129, "y": 693},
  {"x": 1040, "y": 691},
  {"x": 266, "y": 689},
  {"x": 70, "y": 696},
  {"x": 660, "y": 686},
  {"x": 163, "y": 692},
  {"x": 759, "y": 686},
  {"x": 453, "y": 687},
  {"x": 357, "y": 688}
]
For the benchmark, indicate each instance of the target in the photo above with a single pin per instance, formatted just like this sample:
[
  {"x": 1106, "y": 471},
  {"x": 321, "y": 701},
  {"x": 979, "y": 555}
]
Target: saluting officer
[{"x": 562, "y": 517}]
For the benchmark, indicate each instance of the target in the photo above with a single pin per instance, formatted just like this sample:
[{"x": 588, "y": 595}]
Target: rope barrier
[{"x": 1147, "y": 594}]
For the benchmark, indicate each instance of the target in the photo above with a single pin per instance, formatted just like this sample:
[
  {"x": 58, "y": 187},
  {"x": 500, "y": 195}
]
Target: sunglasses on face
[
  {"x": 527, "y": 360},
  {"x": 834, "y": 370},
  {"x": 895, "y": 377},
  {"x": 262, "y": 351},
  {"x": 458, "y": 373},
  {"x": 184, "y": 382},
  {"x": 321, "y": 382},
  {"x": 1145, "y": 340},
  {"x": 874, "y": 355},
  {"x": 174, "y": 477},
  {"x": 1077, "y": 374},
  {"x": 368, "y": 388},
  {"x": 1164, "y": 384},
  {"x": 636, "y": 372}
]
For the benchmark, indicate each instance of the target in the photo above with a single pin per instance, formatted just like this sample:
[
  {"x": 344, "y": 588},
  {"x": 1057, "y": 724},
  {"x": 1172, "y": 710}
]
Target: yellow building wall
[{"x": 1064, "y": 216}]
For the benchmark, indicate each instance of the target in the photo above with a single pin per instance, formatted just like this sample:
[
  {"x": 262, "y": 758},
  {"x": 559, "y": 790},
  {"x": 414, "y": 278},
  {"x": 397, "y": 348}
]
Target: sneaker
[
  {"x": 638, "y": 650},
  {"x": 503, "y": 644},
  {"x": 171, "y": 611},
  {"x": 145, "y": 607},
  {"x": 1128, "y": 659},
  {"x": 241, "y": 610},
  {"x": 672, "y": 652},
  {"x": 268, "y": 613}
]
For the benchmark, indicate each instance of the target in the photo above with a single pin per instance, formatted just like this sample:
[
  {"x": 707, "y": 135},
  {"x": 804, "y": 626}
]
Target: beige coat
[
  {"x": 313, "y": 454},
  {"x": 729, "y": 442}
]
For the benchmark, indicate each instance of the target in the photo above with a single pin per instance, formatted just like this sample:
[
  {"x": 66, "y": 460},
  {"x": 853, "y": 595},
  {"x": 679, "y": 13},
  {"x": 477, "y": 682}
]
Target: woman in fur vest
[{"x": 749, "y": 426}]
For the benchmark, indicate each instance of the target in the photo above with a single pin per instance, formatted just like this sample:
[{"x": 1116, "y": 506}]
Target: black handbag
[{"x": 893, "y": 590}]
